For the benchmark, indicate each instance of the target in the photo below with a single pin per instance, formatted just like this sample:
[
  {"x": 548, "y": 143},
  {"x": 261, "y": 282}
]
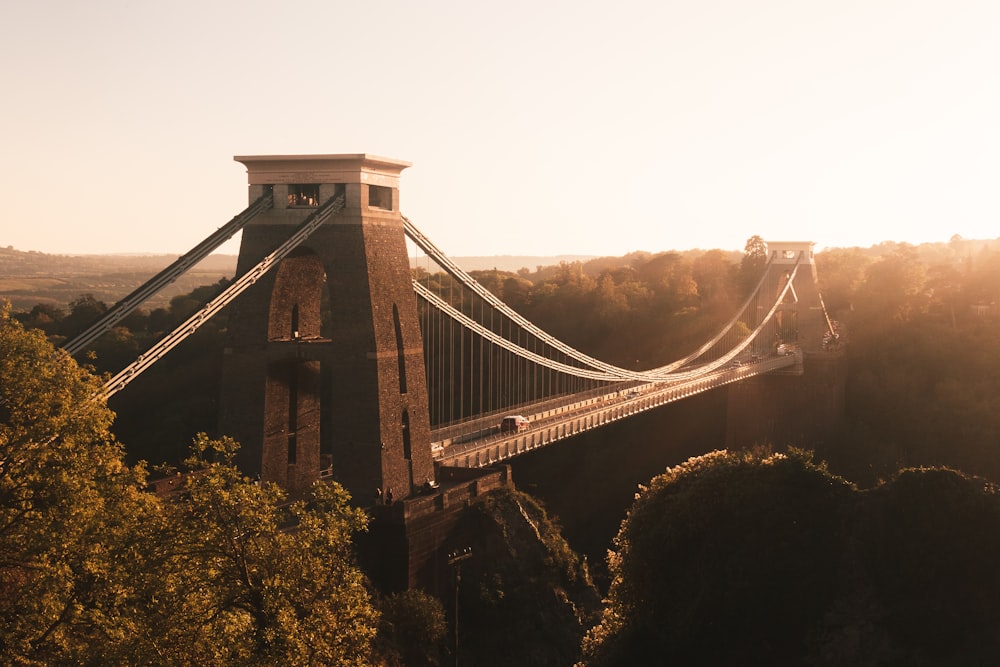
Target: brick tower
[{"x": 324, "y": 365}]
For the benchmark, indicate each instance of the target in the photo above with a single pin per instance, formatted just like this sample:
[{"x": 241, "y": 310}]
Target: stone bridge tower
[{"x": 324, "y": 369}]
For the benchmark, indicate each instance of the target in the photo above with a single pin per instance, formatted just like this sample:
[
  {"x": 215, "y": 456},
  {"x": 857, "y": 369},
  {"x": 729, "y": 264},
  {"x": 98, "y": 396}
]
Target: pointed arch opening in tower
[
  {"x": 400, "y": 350},
  {"x": 407, "y": 447},
  {"x": 293, "y": 403},
  {"x": 297, "y": 297}
]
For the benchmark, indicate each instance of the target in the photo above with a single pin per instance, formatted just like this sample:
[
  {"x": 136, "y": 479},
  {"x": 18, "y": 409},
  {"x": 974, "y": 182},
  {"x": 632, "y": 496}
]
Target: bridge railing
[{"x": 577, "y": 416}]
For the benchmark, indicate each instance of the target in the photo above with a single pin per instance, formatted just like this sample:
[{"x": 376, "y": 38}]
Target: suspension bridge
[
  {"x": 358, "y": 349},
  {"x": 496, "y": 361}
]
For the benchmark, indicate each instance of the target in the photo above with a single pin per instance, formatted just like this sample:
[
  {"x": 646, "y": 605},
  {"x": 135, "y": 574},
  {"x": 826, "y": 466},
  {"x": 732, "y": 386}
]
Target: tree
[
  {"x": 114, "y": 350},
  {"x": 893, "y": 292},
  {"x": 932, "y": 541},
  {"x": 250, "y": 578},
  {"x": 736, "y": 545},
  {"x": 841, "y": 272},
  {"x": 713, "y": 273},
  {"x": 413, "y": 629},
  {"x": 753, "y": 262},
  {"x": 983, "y": 283},
  {"x": 737, "y": 558},
  {"x": 65, "y": 500},
  {"x": 84, "y": 311},
  {"x": 94, "y": 569},
  {"x": 43, "y": 316}
]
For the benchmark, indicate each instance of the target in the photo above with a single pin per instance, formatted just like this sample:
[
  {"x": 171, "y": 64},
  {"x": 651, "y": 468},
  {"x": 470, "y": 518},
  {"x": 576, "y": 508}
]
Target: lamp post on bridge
[{"x": 455, "y": 559}]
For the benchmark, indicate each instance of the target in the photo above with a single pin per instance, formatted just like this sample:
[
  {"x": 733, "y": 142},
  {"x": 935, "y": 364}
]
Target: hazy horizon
[{"x": 233, "y": 251}]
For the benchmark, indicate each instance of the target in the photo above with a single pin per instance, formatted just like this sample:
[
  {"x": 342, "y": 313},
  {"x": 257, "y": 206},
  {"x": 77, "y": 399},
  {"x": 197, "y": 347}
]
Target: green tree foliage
[
  {"x": 46, "y": 317},
  {"x": 841, "y": 272},
  {"x": 737, "y": 558},
  {"x": 728, "y": 553},
  {"x": 254, "y": 579},
  {"x": 983, "y": 278},
  {"x": 115, "y": 350},
  {"x": 923, "y": 386},
  {"x": 83, "y": 311},
  {"x": 66, "y": 504},
  {"x": 94, "y": 569},
  {"x": 753, "y": 262},
  {"x": 413, "y": 630},
  {"x": 643, "y": 309},
  {"x": 714, "y": 275},
  {"x": 176, "y": 398},
  {"x": 933, "y": 552},
  {"x": 185, "y": 305},
  {"x": 893, "y": 291}
]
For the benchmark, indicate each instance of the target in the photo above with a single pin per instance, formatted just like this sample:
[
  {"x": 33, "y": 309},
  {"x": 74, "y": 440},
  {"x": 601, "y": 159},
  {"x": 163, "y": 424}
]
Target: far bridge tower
[{"x": 801, "y": 405}]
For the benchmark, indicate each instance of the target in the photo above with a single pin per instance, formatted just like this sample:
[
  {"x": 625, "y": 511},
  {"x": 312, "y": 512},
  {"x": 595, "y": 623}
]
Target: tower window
[
  {"x": 407, "y": 447},
  {"x": 304, "y": 195},
  {"x": 380, "y": 196}
]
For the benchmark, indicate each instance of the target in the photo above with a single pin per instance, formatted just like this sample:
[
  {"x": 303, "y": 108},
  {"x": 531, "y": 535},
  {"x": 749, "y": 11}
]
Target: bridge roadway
[{"x": 484, "y": 444}]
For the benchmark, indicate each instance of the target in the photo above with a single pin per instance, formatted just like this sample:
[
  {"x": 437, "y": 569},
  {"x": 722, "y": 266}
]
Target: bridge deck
[{"x": 483, "y": 443}]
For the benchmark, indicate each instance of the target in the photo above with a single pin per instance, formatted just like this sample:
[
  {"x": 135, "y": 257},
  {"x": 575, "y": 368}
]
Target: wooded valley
[{"x": 872, "y": 563}]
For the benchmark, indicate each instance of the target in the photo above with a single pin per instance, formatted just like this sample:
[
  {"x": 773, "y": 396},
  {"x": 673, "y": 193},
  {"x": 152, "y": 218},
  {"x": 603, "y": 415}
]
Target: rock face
[{"x": 525, "y": 598}]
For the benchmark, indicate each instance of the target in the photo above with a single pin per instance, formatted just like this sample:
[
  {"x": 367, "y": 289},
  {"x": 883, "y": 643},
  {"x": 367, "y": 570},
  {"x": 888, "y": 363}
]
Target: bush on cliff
[
  {"x": 724, "y": 552},
  {"x": 738, "y": 558}
]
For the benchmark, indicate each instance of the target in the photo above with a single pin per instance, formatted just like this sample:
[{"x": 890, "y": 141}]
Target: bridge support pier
[
  {"x": 802, "y": 405},
  {"x": 798, "y": 409},
  {"x": 408, "y": 541}
]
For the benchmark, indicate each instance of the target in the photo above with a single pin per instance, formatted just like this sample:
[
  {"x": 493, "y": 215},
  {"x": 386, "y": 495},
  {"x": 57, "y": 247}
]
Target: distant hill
[
  {"x": 514, "y": 263},
  {"x": 29, "y": 278}
]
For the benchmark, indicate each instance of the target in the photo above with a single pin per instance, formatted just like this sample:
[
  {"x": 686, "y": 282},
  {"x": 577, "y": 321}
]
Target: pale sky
[{"x": 534, "y": 128}]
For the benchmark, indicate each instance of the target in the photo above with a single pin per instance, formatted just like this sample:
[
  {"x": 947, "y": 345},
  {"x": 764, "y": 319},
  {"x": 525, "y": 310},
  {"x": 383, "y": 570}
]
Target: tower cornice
[{"x": 330, "y": 168}]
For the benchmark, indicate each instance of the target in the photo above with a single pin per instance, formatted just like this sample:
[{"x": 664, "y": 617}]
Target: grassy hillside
[{"x": 30, "y": 278}]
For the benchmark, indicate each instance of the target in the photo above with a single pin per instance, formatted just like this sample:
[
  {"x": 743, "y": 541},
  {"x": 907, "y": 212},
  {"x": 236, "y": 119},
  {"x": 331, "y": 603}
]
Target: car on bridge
[{"x": 514, "y": 424}]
